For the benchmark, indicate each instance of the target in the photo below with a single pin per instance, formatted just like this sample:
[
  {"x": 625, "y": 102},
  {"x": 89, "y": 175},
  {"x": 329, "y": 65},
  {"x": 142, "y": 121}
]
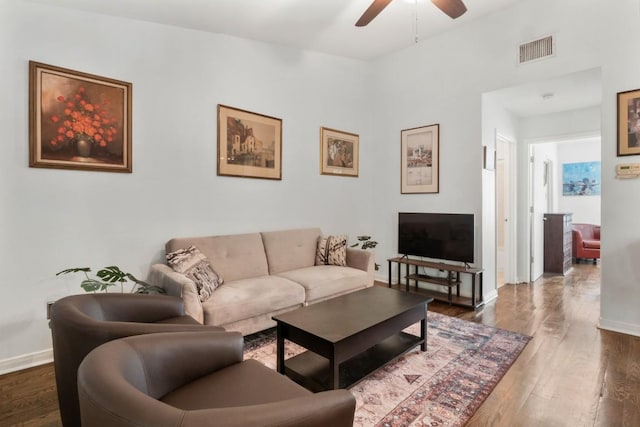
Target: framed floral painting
[
  {"x": 78, "y": 120},
  {"x": 249, "y": 144},
  {"x": 338, "y": 152},
  {"x": 420, "y": 160}
]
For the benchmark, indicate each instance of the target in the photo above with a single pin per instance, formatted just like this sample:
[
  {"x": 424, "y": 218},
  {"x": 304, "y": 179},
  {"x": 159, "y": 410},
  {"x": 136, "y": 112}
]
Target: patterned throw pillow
[
  {"x": 193, "y": 264},
  {"x": 332, "y": 250}
]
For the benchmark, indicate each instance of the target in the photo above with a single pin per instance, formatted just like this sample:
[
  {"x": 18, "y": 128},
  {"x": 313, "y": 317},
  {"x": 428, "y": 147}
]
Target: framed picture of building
[
  {"x": 629, "y": 123},
  {"x": 338, "y": 152},
  {"x": 78, "y": 120},
  {"x": 249, "y": 144},
  {"x": 419, "y": 160}
]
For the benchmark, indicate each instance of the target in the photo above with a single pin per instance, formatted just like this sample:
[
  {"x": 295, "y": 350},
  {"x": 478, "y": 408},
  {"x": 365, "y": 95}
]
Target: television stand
[{"x": 450, "y": 281}]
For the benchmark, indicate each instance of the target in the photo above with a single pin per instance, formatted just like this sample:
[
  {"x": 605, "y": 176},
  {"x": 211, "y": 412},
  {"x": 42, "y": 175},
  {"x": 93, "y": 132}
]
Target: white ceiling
[
  {"x": 563, "y": 93},
  {"x": 328, "y": 26},
  {"x": 320, "y": 25}
]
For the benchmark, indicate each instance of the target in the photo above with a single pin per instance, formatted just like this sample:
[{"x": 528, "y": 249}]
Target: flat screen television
[{"x": 444, "y": 236}]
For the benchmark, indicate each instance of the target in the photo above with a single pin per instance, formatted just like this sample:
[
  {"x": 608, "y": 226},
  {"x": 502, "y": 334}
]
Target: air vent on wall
[{"x": 536, "y": 49}]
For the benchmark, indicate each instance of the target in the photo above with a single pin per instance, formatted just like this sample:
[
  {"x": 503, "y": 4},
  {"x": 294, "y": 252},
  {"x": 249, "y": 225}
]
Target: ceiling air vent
[{"x": 536, "y": 49}]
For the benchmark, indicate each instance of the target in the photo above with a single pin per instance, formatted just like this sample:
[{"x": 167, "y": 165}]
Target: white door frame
[
  {"x": 510, "y": 209},
  {"x": 537, "y": 207}
]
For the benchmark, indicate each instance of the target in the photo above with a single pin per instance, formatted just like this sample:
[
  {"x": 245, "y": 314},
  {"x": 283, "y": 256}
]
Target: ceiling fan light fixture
[
  {"x": 453, "y": 8},
  {"x": 374, "y": 9}
]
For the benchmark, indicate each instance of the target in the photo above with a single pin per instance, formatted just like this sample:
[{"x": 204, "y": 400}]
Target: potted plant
[
  {"x": 112, "y": 276},
  {"x": 365, "y": 242}
]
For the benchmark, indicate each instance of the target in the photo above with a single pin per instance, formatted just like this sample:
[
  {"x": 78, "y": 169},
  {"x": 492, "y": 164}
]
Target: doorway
[
  {"x": 546, "y": 188},
  {"x": 506, "y": 253}
]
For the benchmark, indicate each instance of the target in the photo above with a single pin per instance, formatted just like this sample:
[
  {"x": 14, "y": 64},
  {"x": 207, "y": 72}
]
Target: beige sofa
[{"x": 264, "y": 274}]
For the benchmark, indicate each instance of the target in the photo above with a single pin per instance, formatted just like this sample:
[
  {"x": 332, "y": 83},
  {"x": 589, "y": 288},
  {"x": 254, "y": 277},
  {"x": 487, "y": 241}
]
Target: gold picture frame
[
  {"x": 629, "y": 123},
  {"x": 249, "y": 144},
  {"x": 78, "y": 120},
  {"x": 420, "y": 160},
  {"x": 339, "y": 152}
]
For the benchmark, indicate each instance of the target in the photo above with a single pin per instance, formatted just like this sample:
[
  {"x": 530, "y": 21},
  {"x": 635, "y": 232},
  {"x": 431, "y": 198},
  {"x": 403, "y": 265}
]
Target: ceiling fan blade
[
  {"x": 373, "y": 11},
  {"x": 453, "y": 8}
]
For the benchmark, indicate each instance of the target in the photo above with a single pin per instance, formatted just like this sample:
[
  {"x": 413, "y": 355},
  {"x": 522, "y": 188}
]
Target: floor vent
[{"x": 536, "y": 49}]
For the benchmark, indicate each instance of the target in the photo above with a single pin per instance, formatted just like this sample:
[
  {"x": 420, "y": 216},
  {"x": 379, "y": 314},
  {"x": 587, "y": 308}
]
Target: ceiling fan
[{"x": 453, "y": 8}]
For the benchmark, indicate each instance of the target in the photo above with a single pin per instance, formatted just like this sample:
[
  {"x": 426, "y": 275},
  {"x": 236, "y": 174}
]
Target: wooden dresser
[{"x": 557, "y": 242}]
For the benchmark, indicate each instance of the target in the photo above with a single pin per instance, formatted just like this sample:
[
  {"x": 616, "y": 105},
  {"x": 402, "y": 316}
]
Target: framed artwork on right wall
[
  {"x": 420, "y": 160},
  {"x": 629, "y": 123}
]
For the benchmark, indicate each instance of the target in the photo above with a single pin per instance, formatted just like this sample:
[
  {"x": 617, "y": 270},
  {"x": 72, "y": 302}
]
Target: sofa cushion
[
  {"x": 290, "y": 249},
  {"x": 233, "y": 257},
  {"x": 324, "y": 281},
  {"x": 246, "y": 298},
  {"x": 332, "y": 250},
  {"x": 193, "y": 264}
]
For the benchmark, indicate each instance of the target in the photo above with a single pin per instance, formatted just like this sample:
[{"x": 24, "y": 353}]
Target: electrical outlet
[{"x": 49, "y": 305}]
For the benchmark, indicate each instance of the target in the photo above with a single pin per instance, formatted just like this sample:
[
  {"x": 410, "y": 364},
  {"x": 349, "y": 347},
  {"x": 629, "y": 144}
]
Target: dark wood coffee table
[{"x": 350, "y": 336}]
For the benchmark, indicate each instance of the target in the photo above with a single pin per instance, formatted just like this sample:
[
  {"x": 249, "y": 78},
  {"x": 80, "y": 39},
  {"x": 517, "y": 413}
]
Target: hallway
[{"x": 571, "y": 373}]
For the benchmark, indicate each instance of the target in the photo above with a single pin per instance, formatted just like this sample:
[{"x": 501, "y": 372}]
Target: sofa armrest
[
  {"x": 177, "y": 284},
  {"x": 361, "y": 259}
]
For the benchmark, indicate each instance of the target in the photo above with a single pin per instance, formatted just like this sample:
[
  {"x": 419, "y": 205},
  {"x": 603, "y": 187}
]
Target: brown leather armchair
[
  {"x": 197, "y": 379},
  {"x": 80, "y": 323},
  {"x": 586, "y": 241}
]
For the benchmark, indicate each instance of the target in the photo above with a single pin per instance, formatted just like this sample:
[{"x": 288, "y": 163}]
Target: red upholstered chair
[{"x": 586, "y": 241}]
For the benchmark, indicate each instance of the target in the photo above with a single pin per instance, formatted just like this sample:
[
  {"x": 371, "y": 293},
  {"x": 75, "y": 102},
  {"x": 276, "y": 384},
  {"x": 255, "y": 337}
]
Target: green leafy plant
[
  {"x": 112, "y": 276},
  {"x": 365, "y": 242}
]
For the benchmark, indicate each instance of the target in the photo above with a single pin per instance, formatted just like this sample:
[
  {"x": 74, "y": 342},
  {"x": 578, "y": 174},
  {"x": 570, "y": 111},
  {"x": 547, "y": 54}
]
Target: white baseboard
[
  {"x": 490, "y": 296},
  {"x": 377, "y": 276},
  {"x": 622, "y": 327},
  {"x": 25, "y": 361}
]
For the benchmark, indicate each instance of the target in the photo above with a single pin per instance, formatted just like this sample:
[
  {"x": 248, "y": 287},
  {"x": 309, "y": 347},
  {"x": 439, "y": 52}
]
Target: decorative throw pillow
[
  {"x": 193, "y": 264},
  {"x": 332, "y": 250}
]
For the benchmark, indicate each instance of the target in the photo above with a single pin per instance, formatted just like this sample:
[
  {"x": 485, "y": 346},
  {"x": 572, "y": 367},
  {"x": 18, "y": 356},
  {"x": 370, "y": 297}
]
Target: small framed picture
[
  {"x": 629, "y": 123},
  {"x": 78, "y": 120},
  {"x": 489, "y": 158},
  {"x": 419, "y": 160},
  {"x": 338, "y": 152},
  {"x": 249, "y": 144}
]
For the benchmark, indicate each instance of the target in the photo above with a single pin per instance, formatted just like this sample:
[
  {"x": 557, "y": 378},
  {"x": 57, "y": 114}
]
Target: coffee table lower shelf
[{"x": 312, "y": 370}]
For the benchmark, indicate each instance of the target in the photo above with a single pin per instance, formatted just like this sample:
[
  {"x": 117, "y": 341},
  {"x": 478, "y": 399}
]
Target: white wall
[
  {"x": 54, "y": 219},
  {"x": 561, "y": 126}
]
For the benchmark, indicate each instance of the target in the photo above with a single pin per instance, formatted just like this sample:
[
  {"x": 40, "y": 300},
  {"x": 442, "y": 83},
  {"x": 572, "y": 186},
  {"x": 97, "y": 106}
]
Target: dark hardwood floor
[{"x": 570, "y": 374}]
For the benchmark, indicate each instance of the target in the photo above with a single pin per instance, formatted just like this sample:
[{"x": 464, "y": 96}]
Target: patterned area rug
[{"x": 443, "y": 386}]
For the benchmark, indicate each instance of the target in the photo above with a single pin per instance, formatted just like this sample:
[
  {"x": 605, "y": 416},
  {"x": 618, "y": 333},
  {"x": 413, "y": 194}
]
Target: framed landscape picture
[
  {"x": 78, "y": 120},
  {"x": 419, "y": 160},
  {"x": 581, "y": 179},
  {"x": 629, "y": 123},
  {"x": 249, "y": 144},
  {"x": 339, "y": 152}
]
